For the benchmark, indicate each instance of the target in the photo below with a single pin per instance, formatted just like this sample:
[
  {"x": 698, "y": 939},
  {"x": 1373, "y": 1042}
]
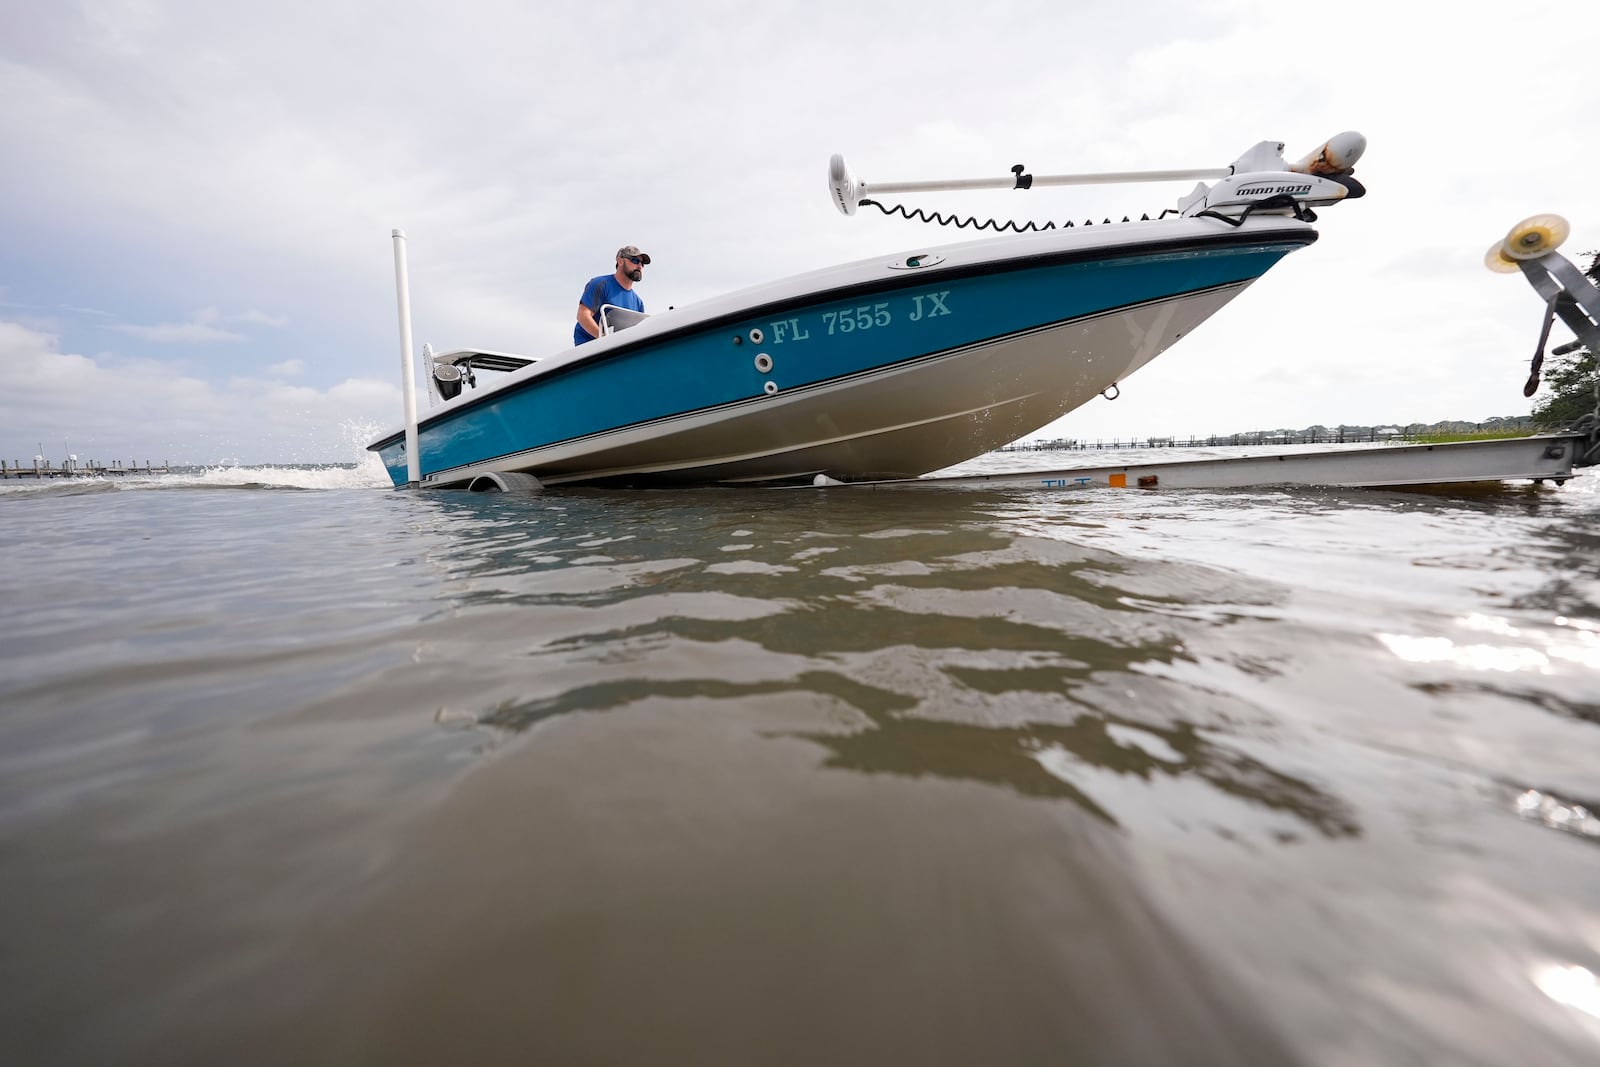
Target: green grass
[{"x": 1476, "y": 435}]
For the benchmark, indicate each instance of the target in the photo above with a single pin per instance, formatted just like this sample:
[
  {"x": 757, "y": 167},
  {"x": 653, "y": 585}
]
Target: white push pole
[
  {"x": 407, "y": 372},
  {"x": 1037, "y": 180},
  {"x": 848, "y": 191}
]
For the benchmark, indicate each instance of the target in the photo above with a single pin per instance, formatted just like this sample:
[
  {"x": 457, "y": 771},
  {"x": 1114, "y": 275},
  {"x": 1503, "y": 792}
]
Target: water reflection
[
  {"x": 1014, "y": 758},
  {"x": 1571, "y": 985},
  {"x": 1581, "y": 710},
  {"x": 1567, "y": 553},
  {"x": 966, "y": 649},
  {"x": 1022, "y": 759},
  {"x": 625, "y": 692},
  {"x": 1559, "y": 813}
]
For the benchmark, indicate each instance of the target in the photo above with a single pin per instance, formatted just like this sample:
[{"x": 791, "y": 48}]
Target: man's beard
[{"x": 635, "y": 274}]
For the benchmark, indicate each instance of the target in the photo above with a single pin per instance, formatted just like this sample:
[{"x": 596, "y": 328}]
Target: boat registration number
[{"x": 913, "y": 308}]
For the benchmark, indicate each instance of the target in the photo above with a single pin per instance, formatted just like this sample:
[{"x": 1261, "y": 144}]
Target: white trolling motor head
[
  {"x": 1260, "y": 181},
  {"x": 842, "y": 183}
]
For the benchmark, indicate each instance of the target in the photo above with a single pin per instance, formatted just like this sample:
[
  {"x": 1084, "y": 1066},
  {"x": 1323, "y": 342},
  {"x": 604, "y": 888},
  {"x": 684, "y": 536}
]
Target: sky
[{"x": 197, "y": 198}]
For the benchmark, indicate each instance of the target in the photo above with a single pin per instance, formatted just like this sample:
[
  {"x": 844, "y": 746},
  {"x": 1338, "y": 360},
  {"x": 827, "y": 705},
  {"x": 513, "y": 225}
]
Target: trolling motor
[
  {"x": 447, "y": 373},
  {"x": 447, "y": 380},
  {"x": 1258, "y": 181},
  {"x": 1530, "y": 247}
]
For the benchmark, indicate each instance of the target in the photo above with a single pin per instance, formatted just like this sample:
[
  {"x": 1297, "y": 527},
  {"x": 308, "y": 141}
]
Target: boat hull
[{"x": 890, "y": 373}]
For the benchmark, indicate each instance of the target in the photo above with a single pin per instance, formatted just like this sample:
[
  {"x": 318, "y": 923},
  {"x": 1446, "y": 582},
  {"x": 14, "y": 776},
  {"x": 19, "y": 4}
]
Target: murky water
[{"x": 294, "y": 768}]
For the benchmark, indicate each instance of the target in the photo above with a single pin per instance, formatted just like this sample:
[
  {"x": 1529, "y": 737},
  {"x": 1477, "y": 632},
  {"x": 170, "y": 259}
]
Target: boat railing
[{"x": 614, "y": 318}]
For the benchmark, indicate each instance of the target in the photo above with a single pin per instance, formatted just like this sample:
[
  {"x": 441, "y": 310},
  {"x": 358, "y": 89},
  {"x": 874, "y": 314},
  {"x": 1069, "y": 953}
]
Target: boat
[{"x": 888, "y": 367}]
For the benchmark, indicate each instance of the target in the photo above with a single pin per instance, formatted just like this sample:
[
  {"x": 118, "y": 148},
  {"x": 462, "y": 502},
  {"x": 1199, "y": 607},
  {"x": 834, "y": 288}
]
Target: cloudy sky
[{"x": 196, "y": 196}]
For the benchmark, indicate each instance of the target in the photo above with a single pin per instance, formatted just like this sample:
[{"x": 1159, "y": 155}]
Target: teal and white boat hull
[{"x": 883, "y": 368}]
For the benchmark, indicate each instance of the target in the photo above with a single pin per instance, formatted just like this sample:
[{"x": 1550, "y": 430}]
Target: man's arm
[{"x": 586, "y": 320}]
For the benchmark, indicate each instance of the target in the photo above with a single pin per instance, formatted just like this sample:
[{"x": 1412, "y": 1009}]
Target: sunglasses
[{"x": 635, "y": 260}]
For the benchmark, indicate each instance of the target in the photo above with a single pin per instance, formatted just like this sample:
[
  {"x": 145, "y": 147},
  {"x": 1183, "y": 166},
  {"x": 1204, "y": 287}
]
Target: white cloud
[
  {"x": 202, "y": 327},
  {"x": 259, "y": 318},
  {"x": 289, "y": 368},
  {"x": 126, "y": 408},
  {"x": 179, "y": 332}
]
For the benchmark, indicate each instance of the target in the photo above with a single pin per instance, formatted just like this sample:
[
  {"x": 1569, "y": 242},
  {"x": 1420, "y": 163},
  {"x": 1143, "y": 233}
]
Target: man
[{"x": 616, "y": 288}]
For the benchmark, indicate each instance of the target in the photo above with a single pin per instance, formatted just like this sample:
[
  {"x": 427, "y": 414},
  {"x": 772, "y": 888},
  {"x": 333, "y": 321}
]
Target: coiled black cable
[{"x": 973, "y": 222}]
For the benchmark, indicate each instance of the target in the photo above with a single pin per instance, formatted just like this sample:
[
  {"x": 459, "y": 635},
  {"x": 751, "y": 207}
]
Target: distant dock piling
[{"x": 43, "y": 468}]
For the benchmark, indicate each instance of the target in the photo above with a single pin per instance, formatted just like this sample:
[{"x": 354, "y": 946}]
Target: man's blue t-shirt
[{"x": 604, "y": 290}]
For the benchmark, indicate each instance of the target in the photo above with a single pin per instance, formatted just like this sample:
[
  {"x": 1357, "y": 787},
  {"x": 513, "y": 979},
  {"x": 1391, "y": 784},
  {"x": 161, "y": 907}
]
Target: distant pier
[{"x": 68, "y": 468}]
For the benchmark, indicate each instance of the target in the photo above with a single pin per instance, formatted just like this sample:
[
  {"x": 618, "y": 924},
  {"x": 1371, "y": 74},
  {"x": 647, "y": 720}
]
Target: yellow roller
[
  {"x": 1533, "y": 237},
  {"x": 1497, "y": 260}
]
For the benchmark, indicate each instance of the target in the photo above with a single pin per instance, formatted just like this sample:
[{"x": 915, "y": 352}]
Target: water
[{"x": 297, "y": 769}]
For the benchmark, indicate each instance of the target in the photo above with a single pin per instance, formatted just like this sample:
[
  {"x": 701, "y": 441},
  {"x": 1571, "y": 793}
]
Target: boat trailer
[
  {"x": 1547, "y": 457},
  {"x": 1529, "y": 247}
]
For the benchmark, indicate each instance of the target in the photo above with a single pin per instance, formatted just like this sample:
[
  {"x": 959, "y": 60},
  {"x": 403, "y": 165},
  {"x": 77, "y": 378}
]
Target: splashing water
[{"x": 367, "y": 473}]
